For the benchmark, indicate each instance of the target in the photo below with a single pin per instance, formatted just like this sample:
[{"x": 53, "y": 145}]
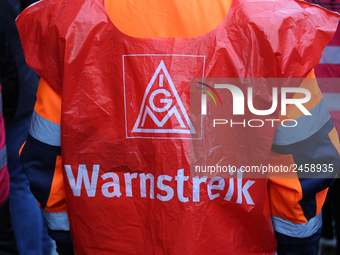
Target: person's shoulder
[
  {"x": 267, "y": 15},
  {"x": 49, "y": 12},
  {"x": 271, "y": 16},
  {"x": 49, "y": 18},
  {"x": 281, "y": 8},
  {"x": 42, "y": 6}
]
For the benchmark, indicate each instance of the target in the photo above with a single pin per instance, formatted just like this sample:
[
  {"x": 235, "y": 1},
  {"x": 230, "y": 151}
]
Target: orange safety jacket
[{"x": 110, "y": 179}]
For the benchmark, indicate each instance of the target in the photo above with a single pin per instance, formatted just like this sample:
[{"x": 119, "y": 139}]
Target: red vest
[{"x": 126, "y": 124}]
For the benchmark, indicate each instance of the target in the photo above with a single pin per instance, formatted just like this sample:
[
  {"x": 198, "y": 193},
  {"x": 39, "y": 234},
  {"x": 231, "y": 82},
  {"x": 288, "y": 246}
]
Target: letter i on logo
[{"x": 170, "y": 107}]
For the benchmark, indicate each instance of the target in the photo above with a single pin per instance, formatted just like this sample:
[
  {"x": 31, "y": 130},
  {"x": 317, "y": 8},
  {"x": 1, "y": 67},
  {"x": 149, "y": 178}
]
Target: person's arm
[
  {"x": 296, "y": 202},
  {"x": 41, "y": 160}
]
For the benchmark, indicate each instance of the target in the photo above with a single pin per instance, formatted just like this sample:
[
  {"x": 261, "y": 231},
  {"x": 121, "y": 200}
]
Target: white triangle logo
[{"x": 148, "y": 107}]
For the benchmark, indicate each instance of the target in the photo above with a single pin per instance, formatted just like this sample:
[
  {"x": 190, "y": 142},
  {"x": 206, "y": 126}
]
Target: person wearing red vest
[{"x": 103, "y": 165}]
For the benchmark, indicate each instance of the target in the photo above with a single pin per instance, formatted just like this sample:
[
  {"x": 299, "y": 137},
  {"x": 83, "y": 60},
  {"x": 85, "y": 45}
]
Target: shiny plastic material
[{"x": 126, "y": 158}]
